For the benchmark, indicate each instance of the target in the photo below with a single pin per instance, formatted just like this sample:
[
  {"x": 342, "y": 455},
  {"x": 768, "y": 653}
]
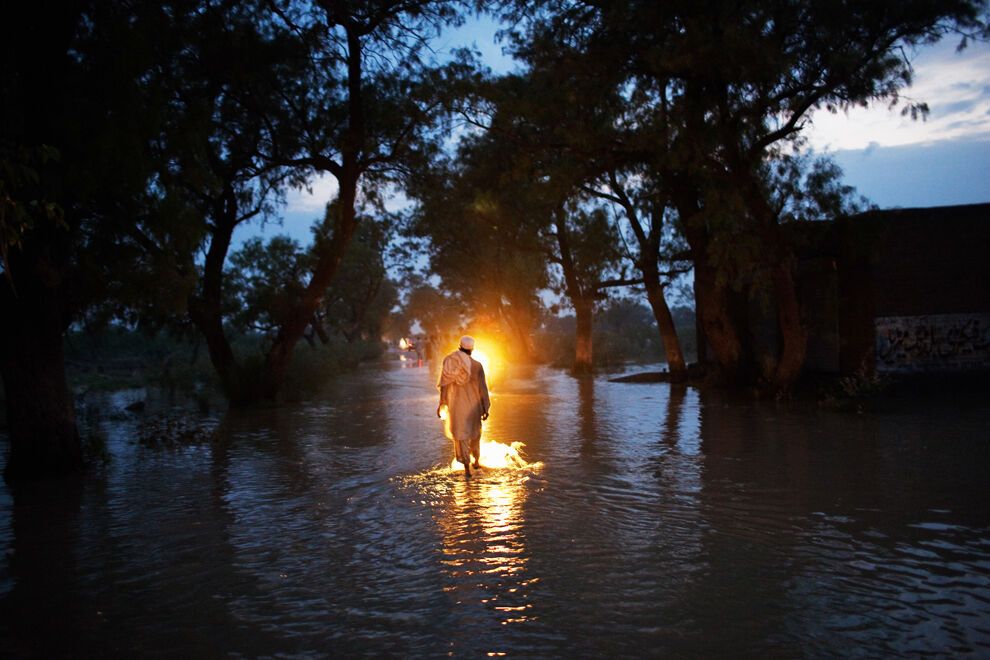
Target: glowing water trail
[{"x": 495, "y": 454}]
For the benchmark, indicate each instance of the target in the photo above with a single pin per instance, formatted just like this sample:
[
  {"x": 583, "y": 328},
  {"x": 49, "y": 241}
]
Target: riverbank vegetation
[
  {"x": 639, "y": 151},
  {"x": 116, "y": 359}
]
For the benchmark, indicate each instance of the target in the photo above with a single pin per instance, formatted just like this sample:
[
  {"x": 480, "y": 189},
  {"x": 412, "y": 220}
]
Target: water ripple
[{"x": 660, "y": 521}]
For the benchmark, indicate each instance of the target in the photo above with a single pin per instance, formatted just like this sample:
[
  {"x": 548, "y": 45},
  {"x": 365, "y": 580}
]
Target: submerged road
[{"x": 659, "y": 520}]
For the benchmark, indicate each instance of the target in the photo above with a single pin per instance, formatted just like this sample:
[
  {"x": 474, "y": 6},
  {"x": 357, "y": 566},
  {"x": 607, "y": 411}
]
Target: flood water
[{"x": 660, "y": 521}]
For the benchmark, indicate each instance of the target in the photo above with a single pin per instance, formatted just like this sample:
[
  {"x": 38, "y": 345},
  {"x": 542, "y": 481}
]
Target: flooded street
[{"x": 654, "y": 520}]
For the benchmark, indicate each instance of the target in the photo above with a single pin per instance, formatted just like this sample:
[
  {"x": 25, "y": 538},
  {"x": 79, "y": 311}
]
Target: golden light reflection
[
  {"x": 481, "y": 519},
  {"x": 493, "y": 454},
  {"x": 482, "y": 530},
  {"x": 498, "y": 455}
]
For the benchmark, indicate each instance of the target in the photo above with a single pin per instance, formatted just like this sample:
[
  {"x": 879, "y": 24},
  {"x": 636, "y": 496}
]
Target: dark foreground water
[{"x": 663, "y": 521}]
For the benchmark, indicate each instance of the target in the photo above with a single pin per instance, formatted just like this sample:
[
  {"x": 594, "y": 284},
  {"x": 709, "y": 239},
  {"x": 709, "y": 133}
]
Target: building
[{"x": 898, "y": 291}]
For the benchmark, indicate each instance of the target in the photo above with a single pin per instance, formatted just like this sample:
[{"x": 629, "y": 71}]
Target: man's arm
[
  {"x": 443, "y": 399},
  {"x": 486, "y": 403}
]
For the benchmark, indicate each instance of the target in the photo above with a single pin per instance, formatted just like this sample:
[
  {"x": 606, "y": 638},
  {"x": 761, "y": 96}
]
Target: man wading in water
[{"x": 465, "y": 393}]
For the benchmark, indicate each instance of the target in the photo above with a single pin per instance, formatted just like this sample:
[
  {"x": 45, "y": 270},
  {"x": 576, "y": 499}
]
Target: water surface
[{"x": 662, "y": 521}]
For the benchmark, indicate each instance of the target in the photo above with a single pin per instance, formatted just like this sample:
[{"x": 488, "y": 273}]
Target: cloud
[
  {"x": 940, "y": 173},
  {"x": 956, "y": 87},
  {"x": 958, "y": 107},
  {"x": 322, "y": 189},
  {"x": 397, "y": 201}
]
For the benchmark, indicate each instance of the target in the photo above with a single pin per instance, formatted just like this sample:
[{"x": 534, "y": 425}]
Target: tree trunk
[
  {"x": 699, "y": 333},
  {"x": 209, "y": 322},
  {"x": 712, "y": 305},
  {"x": 793, "y": 335},
  {"x": 280, "y": 354},
  {"x": 516, "y": 326},
  {"x": 44, "y": 440},
  {"x": 347, "y": 174},
  {"x": 581, "y": 298},
  {"x": 583, "y": 348},
  {"x": 712, "y": 302},
  {"x": 206, "y": 310},
  {"x": 665, "y": 323},
  {"x": 524, "y": 343}
]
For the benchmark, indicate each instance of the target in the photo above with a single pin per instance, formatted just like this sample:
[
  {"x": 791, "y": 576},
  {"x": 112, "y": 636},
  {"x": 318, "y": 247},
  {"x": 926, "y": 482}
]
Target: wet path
[{"x": 662, "y": 521}]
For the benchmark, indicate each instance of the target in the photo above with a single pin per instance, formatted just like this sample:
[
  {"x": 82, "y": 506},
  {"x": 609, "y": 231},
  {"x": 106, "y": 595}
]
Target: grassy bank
[
  {"x": 119, "y": 359},
  {"x": 624, "y": 332}
]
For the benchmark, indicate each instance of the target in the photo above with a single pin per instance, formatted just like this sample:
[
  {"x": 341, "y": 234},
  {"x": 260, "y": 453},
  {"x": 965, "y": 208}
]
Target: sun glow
[
  {"x": 489, "y": 353},
  {"x": 483, "y": 358}
]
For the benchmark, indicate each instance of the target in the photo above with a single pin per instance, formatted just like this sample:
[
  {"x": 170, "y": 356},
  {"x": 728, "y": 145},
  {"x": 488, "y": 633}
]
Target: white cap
[{"x": 467, "y": 343}]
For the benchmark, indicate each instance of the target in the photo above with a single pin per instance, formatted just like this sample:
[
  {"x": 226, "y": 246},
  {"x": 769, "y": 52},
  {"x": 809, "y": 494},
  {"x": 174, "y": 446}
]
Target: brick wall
[{"x": 917, "y": 276}]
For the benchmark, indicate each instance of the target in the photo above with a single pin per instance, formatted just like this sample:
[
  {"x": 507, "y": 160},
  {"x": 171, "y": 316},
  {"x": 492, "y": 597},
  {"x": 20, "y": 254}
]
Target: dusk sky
[{"x": 892, "y": 160}]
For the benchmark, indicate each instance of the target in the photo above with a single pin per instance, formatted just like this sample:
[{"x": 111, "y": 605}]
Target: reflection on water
[
  {"x": 655, "y": 520},
  {"x": 484, "y": 547},
  {"x": 482, "y": 537}
]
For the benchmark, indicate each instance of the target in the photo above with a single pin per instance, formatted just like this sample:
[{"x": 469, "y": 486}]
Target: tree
[
  {"x": 564, "y": 151},
  {"x": 262, "y": 96},
  {"x": 362, "y": 296},
  {"x": 264, "y": 282},
  {"x": 483, "y": 243},
  {"x": 266, "y": 279},
  {"x": 369, "y": 97},
  {"x": 72, "y": 167},
  {"x": 585, "y": 248},
  {"x": 716, "y": 90},
  {"x": 160, "y": 152},
  {"x": 220, "y": 84},
  {"x": 438, "y": 314},
  {"x": 658, "y": 244}
]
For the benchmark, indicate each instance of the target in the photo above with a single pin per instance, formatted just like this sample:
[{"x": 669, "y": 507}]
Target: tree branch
[{"x": 605, "y": 284}]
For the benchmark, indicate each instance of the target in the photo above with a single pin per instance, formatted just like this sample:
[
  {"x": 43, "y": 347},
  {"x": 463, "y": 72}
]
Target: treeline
[
  {"x": 137, "y": 137},
  {"x": 117, "y": 358},
  {"x": 636, "y": 142},
  {"x": 624, "y": 332}
]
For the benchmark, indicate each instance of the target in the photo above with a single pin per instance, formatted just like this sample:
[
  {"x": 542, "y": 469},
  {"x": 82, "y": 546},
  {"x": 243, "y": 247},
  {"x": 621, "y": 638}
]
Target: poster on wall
[{"x": 933, "y": 343}]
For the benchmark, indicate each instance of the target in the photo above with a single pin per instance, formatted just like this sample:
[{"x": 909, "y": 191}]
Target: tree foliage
[{"x": 703, "y": 96}]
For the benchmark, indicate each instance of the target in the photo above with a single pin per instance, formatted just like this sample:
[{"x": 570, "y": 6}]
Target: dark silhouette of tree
[
  {"x": 481, "y": 220},
  {"x": 361, "y": 298},
  {"x": 219, "y": 84},
  {"x": 713, "y": 90},
  {"x": 266, "y": 278},
  {"x": 659, "y": 255},
  {"x": 368, "y": 98},
  {"x": 583, "y": 243},
  {"x": 73, "y": 169},
  {"x": 136, "y": 134},
  {"x": 560, "y": 149},
  {"x": 263, "y": 96}
]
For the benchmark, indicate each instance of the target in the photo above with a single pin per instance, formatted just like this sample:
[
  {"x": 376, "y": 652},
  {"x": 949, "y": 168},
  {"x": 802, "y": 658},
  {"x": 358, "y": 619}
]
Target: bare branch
[{"x": 605, "y": 284}]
